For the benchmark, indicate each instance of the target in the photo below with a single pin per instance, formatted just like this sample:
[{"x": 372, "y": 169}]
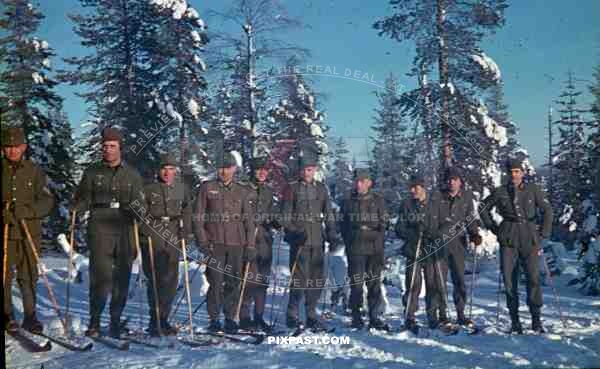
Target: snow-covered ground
[{"x": 578, "y": 345}]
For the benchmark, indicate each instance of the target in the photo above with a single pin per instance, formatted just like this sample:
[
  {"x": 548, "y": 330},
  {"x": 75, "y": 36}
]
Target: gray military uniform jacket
[
  {"x": 363, "y": 223},
  {"x": 164, "y": 208},
  {"x": 305, "y": 206},
  {"x": 449, "y": 217},
  {"x": 110, "y": 194},
  {"x": 225, "y": 215},
  {"x": 518, "y": 208}
]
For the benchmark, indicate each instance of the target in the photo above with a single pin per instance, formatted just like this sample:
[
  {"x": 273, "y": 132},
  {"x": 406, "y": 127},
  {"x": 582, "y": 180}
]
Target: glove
[
  {"x": 250, "y": 254},
  {"x": 336, "y": 246},
  {"x": 476, "y": 239},
  {"x": 208, "y": 250}
]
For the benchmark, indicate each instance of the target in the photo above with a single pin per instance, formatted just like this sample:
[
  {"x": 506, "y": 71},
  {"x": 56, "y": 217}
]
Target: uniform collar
[
  {"x": 12, "y": 164},
  {"x": 223, "y": 185},
  {"x": 313, "y": 183},
  {"x": 459, "y": 194},
  {"x": 121, "y": 165}
]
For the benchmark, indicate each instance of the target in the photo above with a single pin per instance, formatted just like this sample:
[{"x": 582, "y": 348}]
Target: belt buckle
[
  {"x": 115, "y": 205},
  {"x": 165, "y": 219}
]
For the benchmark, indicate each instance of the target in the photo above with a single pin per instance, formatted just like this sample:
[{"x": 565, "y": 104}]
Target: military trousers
[
  {"x": 307, "y": 280},
  {"x": 366, "y": 271},
  {"x": 20, "y": 257},
  {"x": 224, "y": 275},
  {"x": 111, "y": 257},
  {"x": 166, "y": 270}
]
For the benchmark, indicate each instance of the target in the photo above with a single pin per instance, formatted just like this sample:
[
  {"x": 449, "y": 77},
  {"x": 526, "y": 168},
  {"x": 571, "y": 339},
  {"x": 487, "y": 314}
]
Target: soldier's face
[
  {"x": 14, "y": 153},
  {"x": 516, "y": 176},
  {"x": 454, "y": 184},
  {"x": 308, "y": 173},
  {"x": 226, "y": 174},
  {"x": 261, "y": 174},
  {"x": 418, "y": 192},
  {"x": 167, "y": 174},
  {"x": 363, "y": 185},
  {"x": 111, "y": 151}
]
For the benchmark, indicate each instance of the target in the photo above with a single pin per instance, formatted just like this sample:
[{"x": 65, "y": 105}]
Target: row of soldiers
[{"x": 232, "y": 223}]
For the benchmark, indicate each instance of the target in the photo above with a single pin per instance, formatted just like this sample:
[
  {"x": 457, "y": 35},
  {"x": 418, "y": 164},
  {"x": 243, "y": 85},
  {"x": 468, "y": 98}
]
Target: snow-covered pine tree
[
  {"x": 570, "y": 172},
  {"x": 448, "y": 35},
  {"x": 175, "y": 59},
  {"x": 61, "y": 168},
  {"x": 392, "y": 163},
  {"x": 593, "y": 147},
  {"x": 26, "y": 83},
  {"x": 117, "y": 75},
  {"x": 588, "y": 279},
  {"x": 246, "y": 56},
  {"x": 296, "y": 117},
  {"x": 341, "y": 177}
]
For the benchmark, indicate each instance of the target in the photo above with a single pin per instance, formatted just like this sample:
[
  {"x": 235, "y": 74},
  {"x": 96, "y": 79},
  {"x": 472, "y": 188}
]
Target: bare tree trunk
[{"x": 446, "y": 148}]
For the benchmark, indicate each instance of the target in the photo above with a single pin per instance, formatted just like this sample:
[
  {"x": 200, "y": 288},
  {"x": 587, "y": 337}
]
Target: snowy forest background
[{"x": 155, "y": 69}]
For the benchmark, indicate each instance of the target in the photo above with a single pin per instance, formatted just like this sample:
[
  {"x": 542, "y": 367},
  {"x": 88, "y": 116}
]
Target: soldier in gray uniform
[
  {"x": 25, "y": 196},
  {"x": 452, "y": 213},
  {"x": 305, "y": 207},
  {"x": 225, "y": 231},
  {"x": 517, "y": 203},
  {"x": 260, "y": 269},
  {"x": 412, "y": 229},
  {"x": 168, "y": 202},
  {"x": 108, "y": 189},
  {"x": 363, "y": 221}
]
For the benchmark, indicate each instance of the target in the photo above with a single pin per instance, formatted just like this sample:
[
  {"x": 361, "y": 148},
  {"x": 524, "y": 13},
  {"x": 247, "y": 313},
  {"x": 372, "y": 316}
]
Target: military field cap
[
  {"x": 514, "y": 164},
  {"x": 454, "y": 172},
  {"x": 362, "y": 173},
  {"x": 111, "y": 134},
  {"x": 259, "y": 163},
  {"x": 225, "y": 160},
  {"x": 13, "y": 136},
  {"x": 308, "y": 161},
  {"x": 417, "y": 180},
  {"x": 167, "y": 159}
]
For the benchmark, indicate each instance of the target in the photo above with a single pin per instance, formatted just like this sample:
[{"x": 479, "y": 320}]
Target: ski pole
[
  {"x": 180, "y": 300},
  {"x": 473, "y": 281},
  {"x": 38, "y": 261},
  {"x": 154, "y": 286},
  {"x": 70, "y": 270},
  {"x": 289, "y": 287},
  {"x": 498, "y": 295},
  {"x": 442, "y": 286},
  {"x": 243, "y": 289},
  {"x": 5, "y": 255},
  {"x": 413, "y": 277},
  {"x": 186, "y": 281},
  {"x": 199, "y": 306},
  {"x": 554, "y": 291},
  {"x": 136, "y": 239}
]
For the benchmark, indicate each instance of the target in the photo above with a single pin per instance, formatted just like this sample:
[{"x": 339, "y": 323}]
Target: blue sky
[{"x": 541, "y": 41}]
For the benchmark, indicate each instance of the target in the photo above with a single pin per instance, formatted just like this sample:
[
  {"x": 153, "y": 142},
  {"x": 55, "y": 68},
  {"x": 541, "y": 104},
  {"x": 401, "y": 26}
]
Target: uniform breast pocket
[
  {"x": 126, "y": 192},
  {"x": 235, "y": 206},
  {"x": 156, "y": 204},
  {"x": 26, "y": 194},
  {"x": 100, "y": 189}
]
